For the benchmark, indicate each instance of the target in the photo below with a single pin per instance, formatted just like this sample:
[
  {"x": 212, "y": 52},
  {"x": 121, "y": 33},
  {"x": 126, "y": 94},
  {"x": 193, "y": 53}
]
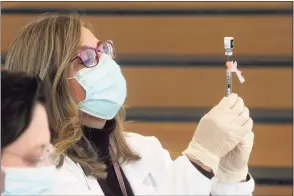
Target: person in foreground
[
  {"x": 87, "y": 90},
  {"x": 26, "y": 162}
]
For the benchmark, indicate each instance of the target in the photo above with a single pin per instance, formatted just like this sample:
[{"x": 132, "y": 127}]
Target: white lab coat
[{"x": 154, "y": 174}]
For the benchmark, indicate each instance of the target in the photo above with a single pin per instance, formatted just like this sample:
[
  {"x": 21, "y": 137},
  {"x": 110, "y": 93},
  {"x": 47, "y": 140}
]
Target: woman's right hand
[{"x": 219, "y": 131}]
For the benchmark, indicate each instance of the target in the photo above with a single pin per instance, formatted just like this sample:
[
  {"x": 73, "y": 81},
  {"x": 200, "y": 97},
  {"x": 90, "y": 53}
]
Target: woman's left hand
[{"x": 233, "y": 167}]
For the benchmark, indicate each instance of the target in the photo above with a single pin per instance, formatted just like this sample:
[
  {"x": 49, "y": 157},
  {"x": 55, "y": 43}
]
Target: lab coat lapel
[
  {"x": 137, "y": 172},
  {"x": 76, "y": 170},
  {"x": 140, "y": 172},
  {"x": 90, "y": 181}
]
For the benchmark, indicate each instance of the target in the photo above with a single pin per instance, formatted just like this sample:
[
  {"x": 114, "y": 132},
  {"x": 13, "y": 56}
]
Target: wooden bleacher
[
  {"x": 173, "y": 35},
  {"x": 264, "y": 36},
  {"x": 183, "y": 87},
  {"x": 151, "y": 5},
  {"x": 273, "y": 190},
  {"x": 119, "y": 29},
  {"x": 176, "y": 136},
  {"x": 271, "y": 148}
]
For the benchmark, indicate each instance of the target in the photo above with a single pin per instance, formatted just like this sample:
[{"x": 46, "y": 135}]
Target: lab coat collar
[{"x": 138, "y": 170}]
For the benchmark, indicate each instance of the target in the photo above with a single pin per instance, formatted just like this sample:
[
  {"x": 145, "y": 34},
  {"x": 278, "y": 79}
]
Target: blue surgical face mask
[
  {"x": 29, "y": 181},
  {"x": 105, "y": 88}
]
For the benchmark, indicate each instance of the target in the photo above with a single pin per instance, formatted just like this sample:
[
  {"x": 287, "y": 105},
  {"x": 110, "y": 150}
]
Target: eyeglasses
[{"x": 90, "y": 56}]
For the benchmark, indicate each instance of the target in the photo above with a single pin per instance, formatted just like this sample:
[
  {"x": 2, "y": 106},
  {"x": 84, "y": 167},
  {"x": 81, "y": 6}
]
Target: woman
[
  {"x": 86, "y": 91},
  {"x": 26, "y": 164}
]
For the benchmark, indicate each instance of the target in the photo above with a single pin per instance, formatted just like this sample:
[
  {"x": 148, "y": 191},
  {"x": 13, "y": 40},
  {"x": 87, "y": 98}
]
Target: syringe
[{"x": 229, "y": 45}]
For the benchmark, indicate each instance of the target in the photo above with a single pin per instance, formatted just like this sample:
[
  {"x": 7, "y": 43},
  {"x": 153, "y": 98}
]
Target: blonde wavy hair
[{"x": 45, "y": 48}]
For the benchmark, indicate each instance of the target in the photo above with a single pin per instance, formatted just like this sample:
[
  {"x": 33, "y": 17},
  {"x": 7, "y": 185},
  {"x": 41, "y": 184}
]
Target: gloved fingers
[
  {"x": 244, "y": 148},
  {"x": 249, "y": 124},
  {"x": 243, "y": 117},
  {"x": 238, "y": 107},
  {"x": 228, "y": 102},
  {"x": 247, "y": 141}
]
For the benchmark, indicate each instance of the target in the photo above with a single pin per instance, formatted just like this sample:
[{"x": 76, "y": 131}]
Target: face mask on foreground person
[
  {"x": 27, "y": 156},
  {"x": 86, "y": 93}
]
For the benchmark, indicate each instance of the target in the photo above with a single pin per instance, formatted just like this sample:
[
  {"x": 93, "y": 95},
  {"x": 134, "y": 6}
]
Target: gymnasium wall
[{"x": 173, "y": 58}]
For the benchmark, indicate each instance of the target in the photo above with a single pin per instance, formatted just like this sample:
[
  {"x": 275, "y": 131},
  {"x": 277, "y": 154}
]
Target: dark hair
[{"x": 19, "y": 94}]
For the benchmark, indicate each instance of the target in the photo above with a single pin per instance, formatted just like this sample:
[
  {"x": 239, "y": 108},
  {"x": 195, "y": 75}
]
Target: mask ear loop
[{"x": 49, "y": 158}]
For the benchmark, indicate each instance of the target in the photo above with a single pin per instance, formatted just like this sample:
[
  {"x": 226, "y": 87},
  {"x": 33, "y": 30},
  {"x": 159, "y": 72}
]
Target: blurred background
[{"x": 172, "y": 55}]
